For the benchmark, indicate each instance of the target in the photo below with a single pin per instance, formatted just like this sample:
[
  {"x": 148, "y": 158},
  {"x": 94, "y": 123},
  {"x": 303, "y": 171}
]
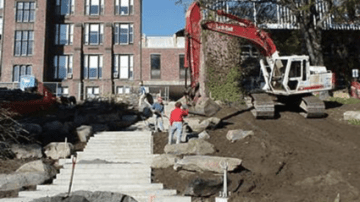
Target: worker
[
  {"x": 176, "y": 121},
  {"x": 142, "y": 95},
  {"x": 158, "y": 112}
]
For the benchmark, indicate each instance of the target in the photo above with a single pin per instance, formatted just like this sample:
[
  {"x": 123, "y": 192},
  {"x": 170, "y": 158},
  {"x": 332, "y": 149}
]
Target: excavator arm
[{"x": 241, "y": 28}]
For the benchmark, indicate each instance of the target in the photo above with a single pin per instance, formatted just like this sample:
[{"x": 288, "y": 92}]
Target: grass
[
  {"x": 344, "y": 101},
  {"x": 354, "y": 122}
]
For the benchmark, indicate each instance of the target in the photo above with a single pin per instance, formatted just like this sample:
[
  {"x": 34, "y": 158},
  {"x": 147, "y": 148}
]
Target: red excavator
[{"x": 286, "y": 78}]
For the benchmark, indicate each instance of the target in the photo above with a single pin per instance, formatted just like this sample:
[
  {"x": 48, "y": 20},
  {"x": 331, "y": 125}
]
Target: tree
[{"x": 310, "y": 16}]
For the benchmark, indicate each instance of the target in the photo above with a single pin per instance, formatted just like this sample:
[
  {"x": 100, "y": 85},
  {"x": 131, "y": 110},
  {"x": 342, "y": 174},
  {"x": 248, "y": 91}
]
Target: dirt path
[{"x": 288, "y": 159}]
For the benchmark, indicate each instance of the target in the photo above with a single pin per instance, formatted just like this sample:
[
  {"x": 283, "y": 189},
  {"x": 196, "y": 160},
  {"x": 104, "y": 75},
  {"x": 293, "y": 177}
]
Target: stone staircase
[{"x": 111, "y": 161}]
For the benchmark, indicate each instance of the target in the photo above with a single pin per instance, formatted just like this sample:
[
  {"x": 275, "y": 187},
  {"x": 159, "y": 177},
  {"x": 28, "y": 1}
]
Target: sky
[{"x": 162, "y": 17}]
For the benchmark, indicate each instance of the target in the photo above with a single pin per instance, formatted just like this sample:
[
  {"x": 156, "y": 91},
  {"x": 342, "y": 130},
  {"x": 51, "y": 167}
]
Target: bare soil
[{"x": 289, "y": 158}]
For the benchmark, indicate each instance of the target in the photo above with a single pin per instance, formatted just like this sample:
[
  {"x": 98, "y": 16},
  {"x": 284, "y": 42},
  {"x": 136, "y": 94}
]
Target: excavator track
[
  {"x": 264, "y": 106},
  {"x": 313, "y": 107}
]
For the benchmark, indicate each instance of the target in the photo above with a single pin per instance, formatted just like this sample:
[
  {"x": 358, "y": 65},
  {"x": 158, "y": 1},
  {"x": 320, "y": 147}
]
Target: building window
[
  {"x": 182, "y": 68},
  {"x": 24, "y": 43},
  {"x": 155, "y": 66},
  {"x": 1, "y": 4},
  {"x": 63, "y": 66},
  {"x": 93, "y": 66},
  {"x": 123, "y": 66},
  {"x": 123, "y": 90},
  {"x": 92, "y": 92},
  {"x": 21, "y": 70},
  {"x": 94, "y": 34},
  {"x": 25, "y": 11},
  {"x": 124, "y": 34},
  {"x": 64, "y": 34},
  {"x": 63, "y": 91},
  {"x": 65, "y": 7},
  {"x": 124, "y": 7},
  {"x": 94, "y": 7}
]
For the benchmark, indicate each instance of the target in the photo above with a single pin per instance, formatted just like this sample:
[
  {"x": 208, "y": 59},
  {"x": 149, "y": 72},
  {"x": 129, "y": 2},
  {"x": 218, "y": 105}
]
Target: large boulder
[
  {"x": 205, "y": 106},
  {"x": 204, "y": 135},
  {"x": 234, "y": 135},
  {"x": 352, "y": 115},
  {"x": 16, "y": 181},
  {"x": 194, "y": 146},
  {"x": 57, "y": 150},
  {"x": 204, "y": 187},
  {"x": 38, "y": 166},
  {"x": 201, "y": 163},
  {"x": 198, "y": 126},
  {"x": 34, "y": 130},
  {"x": 54, "y": 132},
  {"x": 105, "y": 118},
  {"x": 84, "y": 132},
  {"x": 27, "y": 151},
  {"x": 99, "y": 128},
  {"x": 163, "y": 161}
]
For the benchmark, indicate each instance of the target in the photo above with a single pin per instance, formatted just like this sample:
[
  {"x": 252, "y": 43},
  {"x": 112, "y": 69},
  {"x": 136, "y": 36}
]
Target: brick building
[{"x": 85, "y": 48}]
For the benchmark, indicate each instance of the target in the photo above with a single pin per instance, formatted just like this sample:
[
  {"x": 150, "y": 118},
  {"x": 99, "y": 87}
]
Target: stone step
[
  {"x": 100, "y": 187},
  {"x": 113, "y": 154},
  {"x": 118, "y": 166},
  {"x": 164, "y": 199},
  {"x": 135, "y": 194},
  {"x": 112, "y": 177},
  {"x": 115, "y": 181},
  {"x": 96, "y": 170},
  {"x": 120, "y": 138},
  {"x": 123, "y": 133}
]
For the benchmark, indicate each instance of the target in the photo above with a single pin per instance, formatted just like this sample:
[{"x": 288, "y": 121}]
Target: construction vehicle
[
  {"x": 22, "y": 102},
  {"x": 285, "y": 78}
]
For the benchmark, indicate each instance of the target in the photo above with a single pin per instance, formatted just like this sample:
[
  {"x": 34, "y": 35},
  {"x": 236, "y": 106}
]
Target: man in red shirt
[{"x": 176, "y": 120}]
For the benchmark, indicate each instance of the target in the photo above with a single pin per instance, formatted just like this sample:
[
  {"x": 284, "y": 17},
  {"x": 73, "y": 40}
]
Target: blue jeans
[
  {"x": 176, "y": 126},
  {"x": 158, "y": 122}
]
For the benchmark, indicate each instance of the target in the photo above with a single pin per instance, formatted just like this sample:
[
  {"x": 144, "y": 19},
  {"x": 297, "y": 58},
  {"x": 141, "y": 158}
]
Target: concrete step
[
  {"x": 123, "y": 133},
  {"x": 124, "y": 187},
  {"x": 113, "y": 154},
  {"x": 119, "y": 166},
  {"x": 109, "y": 177},
  {"x": 138, "y": 161},
  {"x": 94, "y": 171},
  {"x": 114, "y": 181},
  {"x": 135, "y": 194},
  {"x": 17, "y": 199},
  {"x": 164, "y": 199}
]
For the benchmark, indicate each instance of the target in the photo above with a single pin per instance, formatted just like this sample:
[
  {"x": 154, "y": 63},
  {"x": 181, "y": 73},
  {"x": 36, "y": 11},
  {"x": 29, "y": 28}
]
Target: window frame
[
  {"x": 124, "y": 90},
  {"x": 27, "y": 71},
  {"x": 25, "y": 14},
  {"x": 182, "y": 69},
  {"x": 88, "y": 4},
  {"x": 117, "y": 37},
  {"x": 86, "y": 66},
  {"x": 71, "y": 9},
  {"x": 100, "y": 34},
  {"x": 117, "y": 66},
  {"x": 69, "y": 65},
  {"x": 69, "y": 34},
  {"x": 129, "y": 5},
  {"x": 151, "y": 66},
  {"x": 93, "y": 91},
  {"x": 24, "y": 46}
]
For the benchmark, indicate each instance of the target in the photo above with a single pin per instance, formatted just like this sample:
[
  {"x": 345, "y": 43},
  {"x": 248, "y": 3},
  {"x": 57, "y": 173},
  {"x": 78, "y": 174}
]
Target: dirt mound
[{"x": 288, "y": 159}]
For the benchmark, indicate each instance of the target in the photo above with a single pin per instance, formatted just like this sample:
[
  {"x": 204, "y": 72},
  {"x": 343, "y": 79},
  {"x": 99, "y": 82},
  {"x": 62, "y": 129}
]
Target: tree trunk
[{"x": 312, "y": 37}]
